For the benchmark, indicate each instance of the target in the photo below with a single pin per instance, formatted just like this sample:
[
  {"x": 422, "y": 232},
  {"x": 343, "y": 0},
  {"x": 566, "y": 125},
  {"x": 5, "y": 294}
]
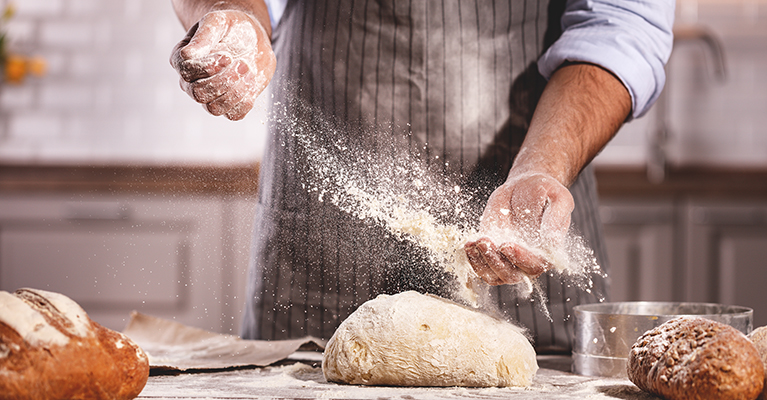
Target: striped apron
[{"x": 458, "y": 81}]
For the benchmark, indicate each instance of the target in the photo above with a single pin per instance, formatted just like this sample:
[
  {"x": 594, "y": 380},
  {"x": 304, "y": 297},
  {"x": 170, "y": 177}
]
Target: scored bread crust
[
  {"x": 51, "y": 349},
  {"x": 696, "y": 358}
]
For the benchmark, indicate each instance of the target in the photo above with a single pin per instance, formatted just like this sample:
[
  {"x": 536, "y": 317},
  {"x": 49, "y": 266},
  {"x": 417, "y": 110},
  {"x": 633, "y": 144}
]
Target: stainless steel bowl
[{"x": 604, "y": 333}]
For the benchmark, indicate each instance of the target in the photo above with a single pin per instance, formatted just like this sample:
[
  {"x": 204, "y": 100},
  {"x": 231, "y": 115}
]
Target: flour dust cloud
[{"x": 391, "y": 185}]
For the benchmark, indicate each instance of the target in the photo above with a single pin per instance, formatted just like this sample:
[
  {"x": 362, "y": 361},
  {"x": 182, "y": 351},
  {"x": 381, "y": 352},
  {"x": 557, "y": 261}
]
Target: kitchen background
[{"x": 119, "y": 191}]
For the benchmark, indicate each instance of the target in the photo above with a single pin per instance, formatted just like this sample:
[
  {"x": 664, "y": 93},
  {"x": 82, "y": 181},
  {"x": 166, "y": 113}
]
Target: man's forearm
[
  {"x": 191, "y": 11},
  {"x": 581, "y": 109}
]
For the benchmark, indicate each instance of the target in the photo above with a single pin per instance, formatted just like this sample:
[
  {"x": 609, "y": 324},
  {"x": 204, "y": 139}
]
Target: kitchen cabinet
[
  {"x": 688, "y": 249},
  {"x": 726, "y": 255},
  {"x": 181, "y": 257},
  {"x": 639, "y": 239}
]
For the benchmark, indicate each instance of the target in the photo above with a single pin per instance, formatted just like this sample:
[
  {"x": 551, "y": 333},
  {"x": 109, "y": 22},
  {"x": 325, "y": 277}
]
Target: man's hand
[
  {"x": 528, "y": 216},
  {"x": 580, "y": 110},
  {"x": 224, "y": 62}
]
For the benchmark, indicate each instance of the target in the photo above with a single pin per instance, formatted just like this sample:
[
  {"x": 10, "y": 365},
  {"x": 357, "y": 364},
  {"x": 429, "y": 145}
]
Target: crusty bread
[
  {"x": 759, "y": 337},
  {"x": 50, "y": 349},
  {"x": 696, "y": 358}
]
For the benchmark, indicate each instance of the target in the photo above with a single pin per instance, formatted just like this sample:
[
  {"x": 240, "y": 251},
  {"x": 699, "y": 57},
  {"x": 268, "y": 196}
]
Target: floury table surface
[{"x": 304, "y": 380}]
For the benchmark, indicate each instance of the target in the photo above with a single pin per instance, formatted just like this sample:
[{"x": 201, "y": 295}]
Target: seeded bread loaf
[
  {"x": 50, "y": 349},
  {"x": 696, "y": 358},
  {"x": 759, "y": 337}
]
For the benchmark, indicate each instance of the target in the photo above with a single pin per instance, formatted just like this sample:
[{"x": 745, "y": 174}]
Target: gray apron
[{"x": 457, "y": 81}]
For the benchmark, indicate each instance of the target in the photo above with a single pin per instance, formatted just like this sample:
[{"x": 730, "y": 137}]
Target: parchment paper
[{"x": 174, "y": 347}]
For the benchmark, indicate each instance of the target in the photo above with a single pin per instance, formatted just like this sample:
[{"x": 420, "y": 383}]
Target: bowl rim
[{"x": 609, "y": 308}]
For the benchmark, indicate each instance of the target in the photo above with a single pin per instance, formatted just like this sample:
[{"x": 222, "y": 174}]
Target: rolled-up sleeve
[
  {"x": 630, "y": 38},
  {"x": 276, "y": 8}
]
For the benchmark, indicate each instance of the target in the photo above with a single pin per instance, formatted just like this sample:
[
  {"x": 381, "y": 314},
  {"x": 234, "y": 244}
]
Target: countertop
[{"x": 304, "y": 380}]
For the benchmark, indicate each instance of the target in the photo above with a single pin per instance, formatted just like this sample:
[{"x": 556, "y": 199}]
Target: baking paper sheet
[{"x": 174, "y": 347}]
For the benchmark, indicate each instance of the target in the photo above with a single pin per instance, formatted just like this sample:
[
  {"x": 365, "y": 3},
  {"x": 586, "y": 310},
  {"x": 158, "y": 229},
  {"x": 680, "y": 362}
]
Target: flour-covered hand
[
  {"x": 525, "y": 218},
  {"x": 224, "y": 62}
]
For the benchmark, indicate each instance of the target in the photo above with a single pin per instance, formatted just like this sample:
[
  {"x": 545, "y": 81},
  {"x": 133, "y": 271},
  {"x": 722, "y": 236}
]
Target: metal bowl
[{"x": 604, "y": 333}]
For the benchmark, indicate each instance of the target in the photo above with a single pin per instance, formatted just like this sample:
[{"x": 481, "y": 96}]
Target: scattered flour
[
  {"x": 394, "y": 189},
  {"x": 304, "y": 381}
]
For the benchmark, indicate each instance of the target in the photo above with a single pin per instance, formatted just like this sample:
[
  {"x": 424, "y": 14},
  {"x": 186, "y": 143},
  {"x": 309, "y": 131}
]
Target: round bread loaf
[
  {"x": 759, "y": 337},
  {"x": 696, "y": 358},
  {"x": 50, "y": 349}
]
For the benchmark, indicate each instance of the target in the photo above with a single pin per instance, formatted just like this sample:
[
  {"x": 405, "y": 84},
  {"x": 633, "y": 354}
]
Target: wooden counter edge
[
  {"x": 235, "y": 180},
  {"x": 705, "y": 182},
  {"x": 696, "y": 181}
]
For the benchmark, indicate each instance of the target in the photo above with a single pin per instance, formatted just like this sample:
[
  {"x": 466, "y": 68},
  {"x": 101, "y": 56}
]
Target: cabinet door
[
  {"x": 102, "y": 265},
  {"x": 180, "y": 258},
  {"x": 727, "y": 256},
  {"x": 639, "y": 239}
]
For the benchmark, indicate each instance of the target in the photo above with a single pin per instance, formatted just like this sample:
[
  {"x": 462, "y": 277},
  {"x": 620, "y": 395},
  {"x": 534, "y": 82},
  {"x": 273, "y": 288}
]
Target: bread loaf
[
  {"x": 696, "y": 358},
  {"x": 759, "y": 337},
  {"x": 50, "y": 349}
]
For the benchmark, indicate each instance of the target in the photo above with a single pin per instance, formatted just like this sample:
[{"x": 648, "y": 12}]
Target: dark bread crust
[
  {"x": 103, "y": 364},
  {"x": 696, "y": 358}
]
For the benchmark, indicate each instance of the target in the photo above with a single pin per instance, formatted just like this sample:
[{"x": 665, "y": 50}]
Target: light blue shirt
[
  {"x": 276, "y": 8},
  {"x": 630, "y": 38}
]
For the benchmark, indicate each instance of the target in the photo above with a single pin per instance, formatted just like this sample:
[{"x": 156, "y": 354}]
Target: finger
[
  {"x": 529, "y": 263},
  {"x": 251, "y": 86},
  {"x": 195, "y": 57},
  {"x": 175, "y": 55},
  {"x": 205, "y": 35},
  {"x": 208, "y": 89},
  {"x": 238, "y": 93},
  {"x": 503, "y": 268},
  {"x": 478, "y": 263},
  {"x": 200, "y": 68},
  {"x": 241, "y": 109}
]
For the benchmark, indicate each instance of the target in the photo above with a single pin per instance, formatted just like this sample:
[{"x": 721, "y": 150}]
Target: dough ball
[{"x": 411, "y": 339}]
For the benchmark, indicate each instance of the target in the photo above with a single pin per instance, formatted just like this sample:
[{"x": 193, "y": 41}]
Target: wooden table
[{"x": 304, "y": 380}]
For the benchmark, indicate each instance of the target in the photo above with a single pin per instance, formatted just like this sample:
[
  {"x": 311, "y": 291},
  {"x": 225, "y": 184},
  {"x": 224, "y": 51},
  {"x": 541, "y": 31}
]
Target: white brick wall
[
  {"x": 711, "y": 122},
  {"x": 110, "y": 95}
]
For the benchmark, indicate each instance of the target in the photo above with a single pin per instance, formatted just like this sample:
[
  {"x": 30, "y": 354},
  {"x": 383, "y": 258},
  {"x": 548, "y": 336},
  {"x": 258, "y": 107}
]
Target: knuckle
[
  {"x": 206, "y": 91},
  {"x": 186, "y": 53}
]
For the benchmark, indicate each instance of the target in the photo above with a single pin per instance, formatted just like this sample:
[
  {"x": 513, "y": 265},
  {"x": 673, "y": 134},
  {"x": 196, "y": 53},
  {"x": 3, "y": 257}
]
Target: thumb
[
  {"x": 555, "y": 220},
  {"x": 208, "y": 32}
]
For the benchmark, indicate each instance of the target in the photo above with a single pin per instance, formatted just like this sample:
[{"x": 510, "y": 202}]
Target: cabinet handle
[{"x": 96, "y": 210}]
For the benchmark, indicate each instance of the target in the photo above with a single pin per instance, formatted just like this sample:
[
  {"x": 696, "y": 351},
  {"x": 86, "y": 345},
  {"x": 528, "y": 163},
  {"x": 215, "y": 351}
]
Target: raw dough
[{"x": 411, "y": 339}]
